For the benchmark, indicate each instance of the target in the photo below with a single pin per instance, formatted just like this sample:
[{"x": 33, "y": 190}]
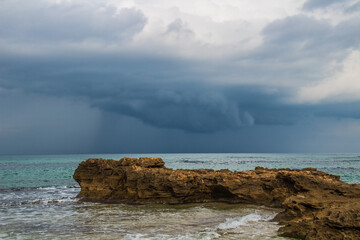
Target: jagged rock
[{"x": 316, "y": 205}]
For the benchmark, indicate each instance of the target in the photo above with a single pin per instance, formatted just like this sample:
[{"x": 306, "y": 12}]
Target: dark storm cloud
[
  {"x": 339, "y": 110},
  {"x": 195, "y": 111},
  {"x": 157, "y": 97},
  {"x": 155, "y": 100}
]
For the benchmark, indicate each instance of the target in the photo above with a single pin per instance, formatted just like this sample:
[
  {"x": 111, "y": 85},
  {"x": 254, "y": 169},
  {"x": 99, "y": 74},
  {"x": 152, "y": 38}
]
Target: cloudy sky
[{"x": 122, "y": 76}]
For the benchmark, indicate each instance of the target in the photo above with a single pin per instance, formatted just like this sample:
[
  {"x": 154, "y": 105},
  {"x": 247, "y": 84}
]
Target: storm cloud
[{"x": 175, "y": 73}]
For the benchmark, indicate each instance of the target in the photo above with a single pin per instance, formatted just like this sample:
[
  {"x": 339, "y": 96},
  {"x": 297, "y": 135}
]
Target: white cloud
[
  {"x": 219, "y": 28},
  {"x": 343, "y": 86},
  {"x": 50, "y": 27}
]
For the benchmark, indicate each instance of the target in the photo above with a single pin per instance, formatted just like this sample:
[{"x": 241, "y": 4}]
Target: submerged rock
[{"x": 316, "y": 205}]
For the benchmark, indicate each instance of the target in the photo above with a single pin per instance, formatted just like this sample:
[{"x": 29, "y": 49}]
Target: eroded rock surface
[{"x": 316, "y": 205}]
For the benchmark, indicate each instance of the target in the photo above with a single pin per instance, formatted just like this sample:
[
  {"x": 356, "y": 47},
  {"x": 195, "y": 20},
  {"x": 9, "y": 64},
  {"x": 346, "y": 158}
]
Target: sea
[{"x": 38, "y": 199}]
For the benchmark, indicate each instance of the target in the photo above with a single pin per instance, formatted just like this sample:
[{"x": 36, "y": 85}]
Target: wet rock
[{"x": 316, "y": 205}]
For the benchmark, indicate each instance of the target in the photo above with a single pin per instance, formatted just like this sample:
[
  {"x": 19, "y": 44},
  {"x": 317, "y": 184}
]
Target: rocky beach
[{"x": 315, "y": 204}]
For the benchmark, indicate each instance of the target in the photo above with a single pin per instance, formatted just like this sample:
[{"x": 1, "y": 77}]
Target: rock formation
[{"x": 316, "y": 205}]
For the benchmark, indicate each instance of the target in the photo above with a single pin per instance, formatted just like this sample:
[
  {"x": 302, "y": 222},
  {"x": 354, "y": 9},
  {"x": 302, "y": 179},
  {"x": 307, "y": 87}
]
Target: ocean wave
[
  {"x": 341, "y": 169},
  {"x": 194, "y": 161},
  {"x": 247, "y": 157},
  {"x": 246, "y": 220},
  {"x": 38, "y": 196},
  {"x": 58, "y": 187},
  {"x": 38, "y": 202},
  {"x": 34, "y": 188},
  {"x": 346, "y": 158},
  {"x": 206, "y": 235}
]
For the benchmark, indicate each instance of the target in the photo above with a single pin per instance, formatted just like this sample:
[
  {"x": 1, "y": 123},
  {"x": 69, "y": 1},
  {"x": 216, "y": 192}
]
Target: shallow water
[
  {"x": 54, "y": 213},
  {"x": 37, "y": 200}
]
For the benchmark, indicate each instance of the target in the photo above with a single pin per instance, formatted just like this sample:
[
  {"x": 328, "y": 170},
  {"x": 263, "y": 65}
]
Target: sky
[{"x": 136, "y": 76}]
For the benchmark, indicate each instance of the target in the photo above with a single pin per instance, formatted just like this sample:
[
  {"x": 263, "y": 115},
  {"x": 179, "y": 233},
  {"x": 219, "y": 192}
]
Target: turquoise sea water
[
  {"x": 37, "y": 199},
  {"x": 20, "y": 171}
]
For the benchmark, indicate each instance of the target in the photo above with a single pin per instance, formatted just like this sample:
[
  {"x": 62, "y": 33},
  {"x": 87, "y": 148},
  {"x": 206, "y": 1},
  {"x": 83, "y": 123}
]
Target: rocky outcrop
[{"x": 316, "y": 205}]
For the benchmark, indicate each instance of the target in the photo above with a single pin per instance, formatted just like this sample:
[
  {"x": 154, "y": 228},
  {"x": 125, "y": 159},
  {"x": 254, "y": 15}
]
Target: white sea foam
[
  {"x": 200, "y": 236},
  {"x": 48, "y": 188},
  {"x": 246, "y": 220},
  {"x": 38, "y": 196},
  {"x": 255, "y": 225}
]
